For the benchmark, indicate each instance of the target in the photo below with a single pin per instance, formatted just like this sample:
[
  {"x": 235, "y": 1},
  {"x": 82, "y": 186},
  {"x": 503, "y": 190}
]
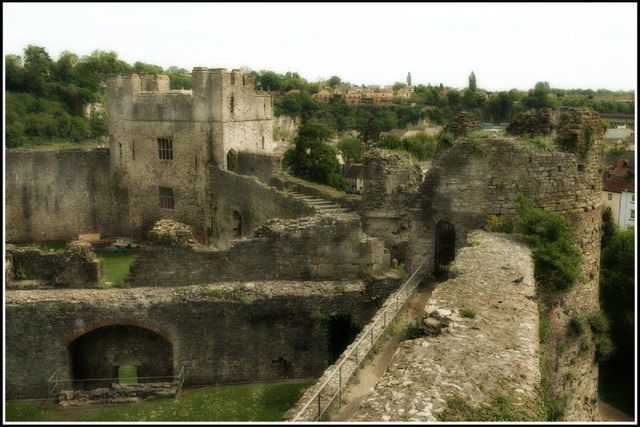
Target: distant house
[
  {"x": 620, "y": 137},
  {"x": 404, "y": 93},
  {"x": 383, "y": 98},
  {"x": 322, "y": 96},
  {"x": 354, "y": 95},
  {"x": 353, "y": 173},
  {"x": 618, "y": 193}
]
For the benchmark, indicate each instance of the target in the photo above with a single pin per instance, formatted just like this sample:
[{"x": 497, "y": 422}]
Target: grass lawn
[{"x": 246, "y": 402}]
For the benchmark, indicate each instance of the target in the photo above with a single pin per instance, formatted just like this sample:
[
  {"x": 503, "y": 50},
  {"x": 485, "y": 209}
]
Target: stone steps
[{"x": 322, "y": 206}]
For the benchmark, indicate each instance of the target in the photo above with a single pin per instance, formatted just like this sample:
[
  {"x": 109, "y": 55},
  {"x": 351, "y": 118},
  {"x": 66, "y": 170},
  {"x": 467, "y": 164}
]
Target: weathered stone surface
[
  {"x": 495, "y": 353},
  {"x": 462, "y": 124},
  {"x": 537, "y": 122},
  {"x": 220, "y": 333}
]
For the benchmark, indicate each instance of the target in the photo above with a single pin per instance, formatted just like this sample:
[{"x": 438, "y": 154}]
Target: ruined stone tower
[{"x": 162, "y": 141}]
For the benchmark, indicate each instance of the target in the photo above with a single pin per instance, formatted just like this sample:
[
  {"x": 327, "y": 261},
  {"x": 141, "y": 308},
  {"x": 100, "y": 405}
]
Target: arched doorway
[
  {"x": 237, "y": 224},
  {"x": 445, "y": 248},
  {"x": 231, "y": 160},
  {"x": 101, "y": 352}
]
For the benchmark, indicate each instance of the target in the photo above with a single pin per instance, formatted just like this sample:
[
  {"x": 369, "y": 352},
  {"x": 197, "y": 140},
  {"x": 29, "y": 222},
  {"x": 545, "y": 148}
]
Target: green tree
[
  {"x": 352, "y": 149},
  {"x": 37, "y": 68},
  {"x": 334, "y": 81},
  {"x": 409, "y": 79},
  {"x": 369, "y": 131},
  {"x": 312, "y": 158},
  {"x": 539, "y": 96},
  {"x": 608, "y": 227},
  {"x": 617, "y": 288},
  {"x": 14, "y": 73},
  {"x": 472, "y": 82},
  {"x": 142, "y": 68},
  {"x": 399, "y": 85}
]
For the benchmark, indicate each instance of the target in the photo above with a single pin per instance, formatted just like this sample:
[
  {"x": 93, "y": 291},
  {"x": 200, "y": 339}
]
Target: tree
[
  {"x": 14, "y": 73},
  {"x": 312, "y": 158},
  {"x": 37, "y": 68},
  {"x": 539, "y": 96},
  {"x": 409, "y": 79},
  {"x": 398, "y": 85},
  {"x": 617, "y": 287},
  {"x": 472, "y": 82},
  {"x": 369, "y": 131},
  {"x": 334, "y": 81},
  {"x": 141, "y": 67},
  {"x": 352, "y": 149},
  {"x": 608, "y": 227}
]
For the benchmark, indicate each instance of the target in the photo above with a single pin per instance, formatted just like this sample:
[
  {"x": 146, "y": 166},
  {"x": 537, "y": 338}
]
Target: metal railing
[
  {"x": 364, "y": 345},
  {"x": 56, "y": 384}
]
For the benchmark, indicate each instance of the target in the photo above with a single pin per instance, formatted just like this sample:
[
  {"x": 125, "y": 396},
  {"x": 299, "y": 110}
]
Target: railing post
[
  {"x": 384, "y": 325},
  {"x": 357, "y": 362},
  {"x": 372, "y": 349},
  {"x": 340, "y": 386},
  {"x": 318, "y": 405},
  {"x": 397, "y": 304}
]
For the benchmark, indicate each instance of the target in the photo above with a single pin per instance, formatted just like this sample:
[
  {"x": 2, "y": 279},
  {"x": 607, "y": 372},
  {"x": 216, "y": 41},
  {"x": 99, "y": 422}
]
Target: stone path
[
  {"x": 368, "y": 377},
  {"x": 609, "y": 413},
  {"x": 322, "y": 206}
]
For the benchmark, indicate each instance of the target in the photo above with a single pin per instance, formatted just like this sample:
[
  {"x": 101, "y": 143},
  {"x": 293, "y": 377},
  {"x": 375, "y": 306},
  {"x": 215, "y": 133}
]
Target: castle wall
[
  {"x": 253, "y": 200},
  {"x": 312, "y": 248},
  {"x": 221, "y": 334},
  {"x": 260, "y": 165},
  {"x": 57, "y": 195},
  {"x": 475, "y": 359}
]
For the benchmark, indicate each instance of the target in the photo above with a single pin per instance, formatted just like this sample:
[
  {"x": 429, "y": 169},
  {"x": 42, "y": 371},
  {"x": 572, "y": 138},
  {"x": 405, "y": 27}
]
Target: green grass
[
  {"x": 128, "y": 374},
  {"x": 247, "y": 402},
  {"x": 116, "y": 266},
  {"x": 56, "y": 143}
]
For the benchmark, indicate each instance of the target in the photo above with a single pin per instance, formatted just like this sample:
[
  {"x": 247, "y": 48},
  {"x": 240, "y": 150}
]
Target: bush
[
  {"x": 551, "y": 237},
  {"x": 598, "y": 321},
  {"x": 411, "y": 332},
  {"x": 578, "y": 324},
  {"x": 468, "y": 313},
  {"x": 604, "y": 348},
  {"x": 500, "y": 224}
]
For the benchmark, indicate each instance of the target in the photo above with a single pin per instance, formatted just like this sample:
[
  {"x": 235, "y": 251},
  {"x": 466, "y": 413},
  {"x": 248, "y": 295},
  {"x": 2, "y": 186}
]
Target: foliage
[
  {"x": 604, "y": 348},
  {"x": 498, "y": 409},
  {"x": 500, "y": 224},
  {"x": 468, "y": 313},
  {"x": 551, "y": 237},
  {"x": 608, "y": 227},
  {"x": 352, "y": 149},
  {"x": 578, "y": 324},
  {"x": 445, "y": 141},
  {"x": 617, "y": 293},
  {"x": 312, "y": 158},
  {"x": 410, "y": 331},
  {"x": 420, "y": 145},
  {"x": 538, "y": 143},
  {"x": 598, "y": 322}
]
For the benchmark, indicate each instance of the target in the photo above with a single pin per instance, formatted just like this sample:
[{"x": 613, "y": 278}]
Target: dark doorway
[
  {"x": 237, "y": 224},
  {"x": 231, "y": 160},
  {"x": 342, "y": 332},
  {"x": 101, "y": 352},
  {"x": 445, "y": 248}
]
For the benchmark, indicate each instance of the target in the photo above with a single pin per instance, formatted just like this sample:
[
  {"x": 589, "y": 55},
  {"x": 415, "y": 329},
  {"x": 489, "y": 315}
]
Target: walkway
[
  {"x": 370, "y": 374},
  {"x": 322, "y": 206}
]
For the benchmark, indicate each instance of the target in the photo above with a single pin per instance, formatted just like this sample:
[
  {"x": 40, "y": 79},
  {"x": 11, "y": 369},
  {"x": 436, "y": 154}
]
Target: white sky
[{"x": 570, "y": 45}]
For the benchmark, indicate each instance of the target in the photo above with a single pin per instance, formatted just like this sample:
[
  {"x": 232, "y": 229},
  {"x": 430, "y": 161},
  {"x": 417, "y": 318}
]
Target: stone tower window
[
  {"x": 232, "y": 104},
  {"x": 167, "y": 200},
  {"x": 165, "y": 148}
]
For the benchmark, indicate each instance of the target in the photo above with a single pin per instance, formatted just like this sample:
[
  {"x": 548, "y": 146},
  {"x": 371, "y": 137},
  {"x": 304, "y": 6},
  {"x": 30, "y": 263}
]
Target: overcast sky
[{"x": 571, "y": 45}]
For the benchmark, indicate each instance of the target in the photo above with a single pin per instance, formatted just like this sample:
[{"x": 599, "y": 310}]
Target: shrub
[
  {"x": 468, "y": 313},
  {"x": 411, "y": 332},
  {"x": 604, "y": 348},
  {"x": 500, "y": 224},
  {"x": 598, "y": 322},
  {"x": 578, "y": 324}
]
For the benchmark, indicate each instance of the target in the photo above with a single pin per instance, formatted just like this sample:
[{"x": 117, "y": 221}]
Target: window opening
[
  {"x": 237, "y": 224},
  {"x": 165, "y": 148},
  {"x": 166, "y": 197}
]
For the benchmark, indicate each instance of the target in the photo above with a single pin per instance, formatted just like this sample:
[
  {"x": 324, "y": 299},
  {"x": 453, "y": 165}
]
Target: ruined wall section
[
  {"x": 57, "y": 195},
  {"x": 481, "y": 177},
  {"x": 392, "y": 183},
  {"x": 476, "y": 359},
  {"x": 311, "y": 248},
  {"x": 230, "y": 194},
  {"x": 224, "y": 333},
  {"x": 259, "y": 164}
]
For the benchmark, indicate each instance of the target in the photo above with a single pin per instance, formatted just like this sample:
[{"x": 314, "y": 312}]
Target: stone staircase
[{"x": 322, "y": 206}]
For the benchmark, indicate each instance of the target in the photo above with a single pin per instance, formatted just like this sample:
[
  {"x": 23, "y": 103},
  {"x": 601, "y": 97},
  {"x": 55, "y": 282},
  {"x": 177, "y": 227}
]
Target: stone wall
[
  {"x": 75, "y": 267},
  {"x": 477, "y": 359},
  {"x": 311, "y": 248},
  {"x": 287, "y": 123},
  {"x": 57, "y": 195},
  {"x": 222, "y": 333},
  {"x": 230, "y": 195},
  {"x": 537, "y": 122},
  {"x": 261, "y": 165},
  {"x": 391, "y": 183},
  {"x": 462, "y": 124}
]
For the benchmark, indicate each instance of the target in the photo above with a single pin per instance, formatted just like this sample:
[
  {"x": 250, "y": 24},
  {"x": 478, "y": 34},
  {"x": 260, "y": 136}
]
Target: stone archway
[
  {"x": 445, "y": 248},
  {"x": 100, "y": 352}
]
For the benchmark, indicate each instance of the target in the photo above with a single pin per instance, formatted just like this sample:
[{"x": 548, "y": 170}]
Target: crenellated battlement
[{"x": 217, "y": 95}]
